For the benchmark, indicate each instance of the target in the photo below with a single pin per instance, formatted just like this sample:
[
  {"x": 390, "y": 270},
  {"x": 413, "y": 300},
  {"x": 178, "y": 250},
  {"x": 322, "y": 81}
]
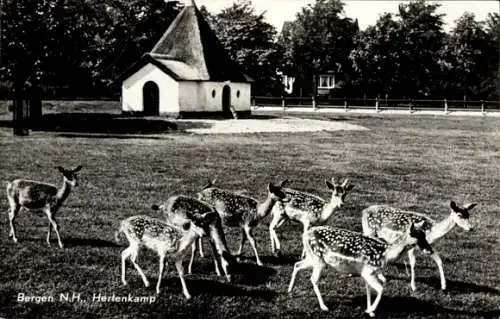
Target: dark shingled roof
[{"x": 190, "y": 51}]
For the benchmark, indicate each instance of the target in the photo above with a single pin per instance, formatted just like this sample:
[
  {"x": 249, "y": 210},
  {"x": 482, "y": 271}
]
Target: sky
[{"x": 366, "y": 11}]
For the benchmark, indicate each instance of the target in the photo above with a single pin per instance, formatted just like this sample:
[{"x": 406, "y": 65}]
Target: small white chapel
[{"x": 188, "y": 73}]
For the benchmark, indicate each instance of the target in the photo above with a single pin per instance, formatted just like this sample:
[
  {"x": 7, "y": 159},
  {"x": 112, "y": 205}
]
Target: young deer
[
  {"x": 308, "y": 209},
  {"x": 165, "y": 239},
  {"x": 353, "y": 253},
  {"x": 181, "y": 210},
  {"x": 37, "y": 195},
  {"x": 241, "y": 211},
  {"x": 387, "y": 222}
]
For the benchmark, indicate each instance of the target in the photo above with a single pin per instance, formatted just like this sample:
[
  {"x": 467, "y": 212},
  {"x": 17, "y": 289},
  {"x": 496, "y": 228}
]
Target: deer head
[
  {"x": 70, "y": 175},
  {"x": 460, "y": 215},
  {"x": 339, "y": 191},
  {"x": 416, "y": 237}
]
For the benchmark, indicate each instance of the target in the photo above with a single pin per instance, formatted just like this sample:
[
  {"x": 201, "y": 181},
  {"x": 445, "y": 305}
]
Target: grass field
[{"x": 418, "y": 163}]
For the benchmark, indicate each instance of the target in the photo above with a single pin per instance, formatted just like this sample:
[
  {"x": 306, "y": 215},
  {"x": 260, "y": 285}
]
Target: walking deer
[
  {"x": 167, "y": 240},
  {"x": 241, "y": 211},
  {"x": 181, "y": 210},
  {"x": 34, "y": 195},
  {"x": 353, "y": 253},
  {"x": 308, "y": 209},
  {"x": 387, "y": 222}
]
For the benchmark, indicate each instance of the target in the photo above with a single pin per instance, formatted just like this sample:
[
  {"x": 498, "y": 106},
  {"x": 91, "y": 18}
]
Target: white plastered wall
[
  {"x": 198, "y": 96},
  {"x": 132, "y": 99}
]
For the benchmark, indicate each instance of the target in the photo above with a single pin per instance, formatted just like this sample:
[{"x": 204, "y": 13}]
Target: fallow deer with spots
[
  {"x": 34, "y": 195},
  {"x": 308, "y": 209},
  {"x": 241, "y": 211},
  {"x": 181, "y": 210},
  {"x": 353, "y": 253},
  {"x": 167, "y": 240},
  {"x": 388, "y": 223}
]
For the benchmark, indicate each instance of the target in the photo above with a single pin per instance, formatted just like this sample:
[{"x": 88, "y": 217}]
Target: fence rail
[{"x": 377, "y": 104}]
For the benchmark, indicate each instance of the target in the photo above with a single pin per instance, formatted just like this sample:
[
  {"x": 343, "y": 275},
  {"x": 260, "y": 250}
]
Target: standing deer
[
  {"x": 167, "y": 240},
  {"x": 353, "y": 253},
  {"x": 241, "y": 211},
  {"x": 181, "y": 210},
  {"x": 37, "y": 195},
  {"x": 387, "y": 222},
  {"x": 308, "y": 209}
]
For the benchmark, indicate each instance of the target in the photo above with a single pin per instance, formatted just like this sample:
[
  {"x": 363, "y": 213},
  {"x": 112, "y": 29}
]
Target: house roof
[{"x": 189, "y": 50}]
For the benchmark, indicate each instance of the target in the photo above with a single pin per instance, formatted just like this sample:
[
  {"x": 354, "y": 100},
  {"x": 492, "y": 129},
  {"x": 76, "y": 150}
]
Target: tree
[
  {"x": 490, "y": 87},
  {"x": 319, "y": 40},
  {"x": 250, "y": 42}
]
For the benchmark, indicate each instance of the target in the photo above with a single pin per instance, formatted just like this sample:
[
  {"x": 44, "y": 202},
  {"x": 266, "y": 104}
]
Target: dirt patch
[{"x": 271, "y": 125}]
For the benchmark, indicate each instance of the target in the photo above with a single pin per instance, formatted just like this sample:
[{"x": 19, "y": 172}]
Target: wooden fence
[{"x": 377, "y": 104}]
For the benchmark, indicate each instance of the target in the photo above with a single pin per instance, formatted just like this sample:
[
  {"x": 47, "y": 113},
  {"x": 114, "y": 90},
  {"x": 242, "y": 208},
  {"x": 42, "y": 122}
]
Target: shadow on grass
[
  {"x": 457, "y": 286},
  {"x": 410, "y": 305},
  {"x": 280, "y": 260},
  {"x": 93, "y": 242},
  {"x": 198, "y": 287},
  {"x": 247, "y": 273}
]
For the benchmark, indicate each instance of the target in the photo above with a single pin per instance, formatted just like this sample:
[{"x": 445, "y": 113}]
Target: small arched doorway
[
  {"x": 226, "y": 100},
  {"x": 151, "y": 98}
]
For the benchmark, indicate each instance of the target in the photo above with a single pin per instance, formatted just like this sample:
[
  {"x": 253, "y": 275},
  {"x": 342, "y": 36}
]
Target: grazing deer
[
  {"x": 241, "y": 211},
  {"x": 181, "y": 210},
  {"x": 387, "y": 222},
  {"x": 165, "y": 239},
  {"x": 308, "y": 209},
  {"x": 37, "y": 195},
  {"x": 353, "y": 253}
]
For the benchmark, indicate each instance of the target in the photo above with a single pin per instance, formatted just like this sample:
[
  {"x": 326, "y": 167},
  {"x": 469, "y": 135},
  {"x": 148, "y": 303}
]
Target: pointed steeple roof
[{"x": 190, "y": 50}]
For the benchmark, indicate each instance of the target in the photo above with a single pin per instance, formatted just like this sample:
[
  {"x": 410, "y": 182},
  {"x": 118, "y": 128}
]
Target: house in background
[{"x": 188, "y": 73}]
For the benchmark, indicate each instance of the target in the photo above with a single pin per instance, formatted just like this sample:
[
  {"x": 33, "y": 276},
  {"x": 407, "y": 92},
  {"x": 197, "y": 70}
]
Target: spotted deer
[
  {"x": 167, "y": 240},
  {"x": 353, "y": 253},
  {"x": 34, "y": 195},
  {"x": 388, "y": 223},
  {"x": 241, "y": 211},
  {"x": 308, "y": 209},
  {"x": 181, "y": 210}
]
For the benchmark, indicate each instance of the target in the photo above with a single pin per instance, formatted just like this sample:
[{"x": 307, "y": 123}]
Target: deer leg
[
  {"x": 125, "y": 254},
  {"x": 368, "y": 296},
  {"x": 242, "y": 242},
  {"x": 216, "y": 259},
  {"x": 439, "y": 263},
  {"x": 180, "y": 270},
  {"x": 316, "y": 273},
  {"x": 133, "y": 258},
  {"x": 14, "y": 210},
  {"x": 53, "y": 222},
  {"x": 193, "y": 252},
  {"x": 411, "y": 257},
  {"x": 251, "y": 240},
  {"x": 276, "y": 222},
  {"x": 299, "y": 265},
  {"x": 200, "y": 245},
  {"x": 306, "y": 227},
  {"x": 373, "y": 282},
  {"x": 160, "y": 274}
]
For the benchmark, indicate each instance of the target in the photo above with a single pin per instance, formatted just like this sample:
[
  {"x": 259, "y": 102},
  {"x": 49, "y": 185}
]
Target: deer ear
[
  {"x": 471, "y": 206},
  {"x": 420, "y": 224},
  {"x": 283, "y": 183},
  {"x": 78, "y": 168},
  {"x": 411, "y": 229},
  {"x": 210, "y": 184},
  {"x": 60, "y": 168},
  {"x": 155, "y": 207},
  {"x": 453, "y": 205},
  {"x": 329, "y": 185},
  {"x": 349, "y": 187}
]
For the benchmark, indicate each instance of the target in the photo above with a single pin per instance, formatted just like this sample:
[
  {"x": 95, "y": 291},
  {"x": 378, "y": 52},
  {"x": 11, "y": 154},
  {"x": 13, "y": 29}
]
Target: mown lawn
[{"x": 418, "y": 163}]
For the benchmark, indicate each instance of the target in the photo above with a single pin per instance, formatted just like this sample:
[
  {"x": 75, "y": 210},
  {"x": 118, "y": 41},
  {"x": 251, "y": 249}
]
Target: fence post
[
  {"x": 283, "y": 102},
  {"x": 411, "y": 105},
  {"x": 482, "y": 106},
  {"x": 345, "y": 104},
  {"x": 376, "y": 104},
  {"x": 252, "y": 102},
  {"x": 445, "y": 105},
  {"x": 313, "y": 103}
]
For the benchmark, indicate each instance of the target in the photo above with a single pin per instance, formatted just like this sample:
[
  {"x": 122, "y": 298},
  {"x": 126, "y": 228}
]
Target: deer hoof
[
  {"x": 324, "y": 308},
  {"x": 125, "y": 283},
  {"x": 370, "y": 313},
  {"x": 260, "y": 263},
  {"x": 146, "y": 284}
]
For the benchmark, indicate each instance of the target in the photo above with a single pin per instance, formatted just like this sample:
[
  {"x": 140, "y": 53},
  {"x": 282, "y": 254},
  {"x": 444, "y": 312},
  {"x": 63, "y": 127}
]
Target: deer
[
  {"x": 387, "y": 223},
  {"x": 240, "y": 211},
  {"x": 167, "y": 240},
  {"x": 355, "y": 254},
  {"x": 308, "y": 209},
  {"x": 34, "y": 195},
  {"x": 179, "y": 210}
]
